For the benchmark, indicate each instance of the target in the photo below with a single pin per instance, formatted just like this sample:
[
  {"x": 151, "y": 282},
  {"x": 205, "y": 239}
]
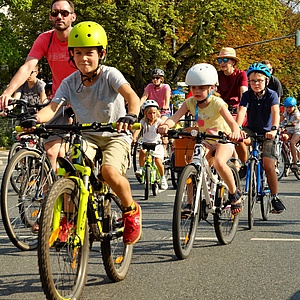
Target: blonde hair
[{"x": 146, "y": 111}]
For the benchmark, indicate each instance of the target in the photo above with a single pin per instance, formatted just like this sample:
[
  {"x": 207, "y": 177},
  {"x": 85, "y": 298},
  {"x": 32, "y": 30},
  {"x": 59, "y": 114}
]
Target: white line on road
[{"x": 275, "y": 240}]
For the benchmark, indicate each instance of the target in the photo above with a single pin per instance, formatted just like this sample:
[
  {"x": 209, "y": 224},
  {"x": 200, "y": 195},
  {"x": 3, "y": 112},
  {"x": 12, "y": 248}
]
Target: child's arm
[
  {"x": 170, "y": 122},
  {"x": 235, "y": 130}
]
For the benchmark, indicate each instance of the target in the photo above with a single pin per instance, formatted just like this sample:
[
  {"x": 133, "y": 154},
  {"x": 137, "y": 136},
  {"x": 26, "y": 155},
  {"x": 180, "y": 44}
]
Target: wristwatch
[{"x": 274, "y": 128}]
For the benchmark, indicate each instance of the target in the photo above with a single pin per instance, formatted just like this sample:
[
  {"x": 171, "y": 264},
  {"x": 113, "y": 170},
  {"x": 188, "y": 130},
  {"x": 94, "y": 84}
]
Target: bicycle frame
[
  {"x": 255, "y": 155},
  {"x": 150, "y": 161}
]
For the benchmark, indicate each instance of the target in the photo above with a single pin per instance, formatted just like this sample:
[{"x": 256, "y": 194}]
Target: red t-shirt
[
  {"x": 57, "y": 56},
  {"x": 229, "y": 86}
]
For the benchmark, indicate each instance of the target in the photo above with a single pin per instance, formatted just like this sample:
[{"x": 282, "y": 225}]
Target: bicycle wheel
[
  {"x": 16, "y": 146},
  {"x": 252, "y": 193},
  {"x": 115, "y": 254},
  {"x": 297, "y": 173},
  {"x": 265, "y": 201},
  {"x": 136, "y": 151},
  {"x": 147, "y": 182},
  {"x": 185, "y": 214},
  {"x": 20, "y": 206},
  {"x": 62, "y": 265},
  {"x": 225, "y": 222},
  {"x": 281, "y": 164}
]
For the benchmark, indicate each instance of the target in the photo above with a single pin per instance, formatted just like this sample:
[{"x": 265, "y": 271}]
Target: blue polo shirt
[{"x": 259, "y": 110}]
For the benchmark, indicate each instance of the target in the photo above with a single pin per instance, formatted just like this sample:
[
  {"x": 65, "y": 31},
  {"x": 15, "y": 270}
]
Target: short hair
[{"x": 70, "y": 3}]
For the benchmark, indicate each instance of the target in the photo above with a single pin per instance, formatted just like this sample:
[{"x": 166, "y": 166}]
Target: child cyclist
[
  {"x": 150, "y": 123},
  {"x": 97, "y": 93},
  {"x": 262, "y": 107},
  {"x": 212, "y": 115},
  {"x": 292, "y": 115}
]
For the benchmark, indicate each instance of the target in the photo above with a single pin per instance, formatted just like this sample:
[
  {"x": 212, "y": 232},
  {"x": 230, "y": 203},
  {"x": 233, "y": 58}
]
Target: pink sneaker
[{"x": 132, "y": 225}]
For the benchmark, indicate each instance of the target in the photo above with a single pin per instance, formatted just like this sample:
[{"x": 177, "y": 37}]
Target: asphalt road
[{"x": 259, "y": 264}]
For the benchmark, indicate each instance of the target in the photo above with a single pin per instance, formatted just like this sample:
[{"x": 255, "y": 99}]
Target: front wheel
[
  {"x": 62, "y": 254},
  {"x": 252, "y": 193},
  {"x": 185, "y": 213},
  {"x": 115, "y": 254},
  {"x": 25, "y": 184},
  {"x": 225, "y": 222}
]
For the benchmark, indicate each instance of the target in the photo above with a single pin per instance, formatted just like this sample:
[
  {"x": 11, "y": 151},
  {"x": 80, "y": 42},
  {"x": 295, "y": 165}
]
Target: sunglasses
[
  {"x": 225, "y": 60},
  {"x": 156, "y": 78},
  {"x": 56, "y": 12}
]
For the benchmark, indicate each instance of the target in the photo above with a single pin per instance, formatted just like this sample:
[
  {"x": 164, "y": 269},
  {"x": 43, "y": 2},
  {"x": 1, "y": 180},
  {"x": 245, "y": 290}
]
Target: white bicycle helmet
[
  {"x": 202, "y": 74},
  {"x": 149, "y": 103}
]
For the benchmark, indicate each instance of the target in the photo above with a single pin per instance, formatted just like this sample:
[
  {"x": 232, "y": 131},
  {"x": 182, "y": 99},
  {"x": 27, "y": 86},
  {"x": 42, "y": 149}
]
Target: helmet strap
[{"x": 87, "y": 78}]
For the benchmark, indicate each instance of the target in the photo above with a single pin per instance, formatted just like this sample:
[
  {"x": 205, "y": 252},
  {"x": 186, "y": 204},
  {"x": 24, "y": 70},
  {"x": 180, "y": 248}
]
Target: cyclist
[
  {"x": 158, "y": 91},
  {"x": 33, "y": 90},
  {"x": 212, "y": 115},
  {"x": 98, "y": 93},
  {"x": 53, "y": 45},
  {"x": 232, "y": 84},
  {"x": 150, "y": 123},
  {"x": 262, "y": 107},
  {"x": 292, "y": 115}
]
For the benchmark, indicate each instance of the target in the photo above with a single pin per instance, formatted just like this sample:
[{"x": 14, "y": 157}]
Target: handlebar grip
[{"x": 135, "y": 126}]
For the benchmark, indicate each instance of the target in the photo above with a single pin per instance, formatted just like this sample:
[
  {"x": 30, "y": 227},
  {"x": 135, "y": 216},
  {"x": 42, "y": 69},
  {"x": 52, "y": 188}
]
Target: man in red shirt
[
  {"x": 232, "y": 84},
  {"x": 53, "y": 45}
]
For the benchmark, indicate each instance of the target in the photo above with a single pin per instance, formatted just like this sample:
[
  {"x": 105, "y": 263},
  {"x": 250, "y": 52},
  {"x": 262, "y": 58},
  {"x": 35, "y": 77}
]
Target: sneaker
[
  {"x": 186, "y": 211},
  {"x": 294, "y": 168},
  {"x": 132, "y": 225},
  {"x": 163, "y": 183},
  {"x": 278, "y": 206},
  {"x": 139, "y": 172},
  {"x": 277, "y": 171}
]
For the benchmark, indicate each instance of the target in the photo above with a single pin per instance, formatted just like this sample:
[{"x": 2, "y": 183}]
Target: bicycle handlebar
[{"x": 98, "y": 127}]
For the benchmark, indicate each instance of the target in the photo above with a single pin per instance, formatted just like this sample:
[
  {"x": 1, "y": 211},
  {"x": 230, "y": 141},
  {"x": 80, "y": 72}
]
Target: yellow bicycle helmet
[{"x": 87, "y": 34}]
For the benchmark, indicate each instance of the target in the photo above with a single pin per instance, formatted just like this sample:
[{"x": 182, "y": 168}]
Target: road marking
[{"x": 275, "y": 240}]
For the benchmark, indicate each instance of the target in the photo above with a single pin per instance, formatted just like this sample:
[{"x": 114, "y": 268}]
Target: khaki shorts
[
  {"x": 115, "y": 152},
  {"x": 268, "y": 148}
]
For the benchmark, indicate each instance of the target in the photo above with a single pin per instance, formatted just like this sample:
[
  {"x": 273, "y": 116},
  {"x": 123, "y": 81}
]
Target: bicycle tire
[
  {"x": 16, "y": 146},
  {"x": 174, "y": 175},
  {"x": 147, "y": 182},
  {"x": 265, "y": 201},
  {"x": 252, "y": 193},
  {"x": 225, "y": 223},
  {"x": 136, "y": 151},
  {"x": 297, "y": 173},
  {"x": 282, "y": 164},
  {"x": 116, "y": 255},
  {"x": 62, "y": 267},
  {"x": 19, "y": 207},
  {"x": 184, "y": 226}
]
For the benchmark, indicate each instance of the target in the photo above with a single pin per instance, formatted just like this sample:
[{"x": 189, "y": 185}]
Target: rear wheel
[
  {"x": 185, "y": 213},
  {"x": 265, "y": 201},
  {"x": 252, "y": 193},
  {"x": 21, "y": 202},
  {"x": 147, "y": 182},
  {"x": 62, "y": 255},
  {"x": 115, "y": 254},
  {"x": 225, "y": 223}
]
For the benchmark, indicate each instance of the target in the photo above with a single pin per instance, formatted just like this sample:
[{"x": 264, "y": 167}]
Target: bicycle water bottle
[{"x": 76, "y": 150}]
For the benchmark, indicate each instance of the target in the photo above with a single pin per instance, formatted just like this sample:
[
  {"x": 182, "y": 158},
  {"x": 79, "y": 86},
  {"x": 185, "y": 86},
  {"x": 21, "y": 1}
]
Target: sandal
[
  {"x": 294, "y": 168},
  {"x": 236, "y": 202}
]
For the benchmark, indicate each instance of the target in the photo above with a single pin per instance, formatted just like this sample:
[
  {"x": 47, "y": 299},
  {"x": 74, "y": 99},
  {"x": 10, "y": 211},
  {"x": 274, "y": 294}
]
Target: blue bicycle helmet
[
  {"x": 290, "y": 101},
  {"x": 260, "y": 68}
]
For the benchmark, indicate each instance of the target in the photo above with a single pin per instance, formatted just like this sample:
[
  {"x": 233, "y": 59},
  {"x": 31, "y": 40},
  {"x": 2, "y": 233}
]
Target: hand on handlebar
[
  {"x": 163, "y": 129},
  {"x": 29, "y": 123},
  {"x": 126, "y": 122}
]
